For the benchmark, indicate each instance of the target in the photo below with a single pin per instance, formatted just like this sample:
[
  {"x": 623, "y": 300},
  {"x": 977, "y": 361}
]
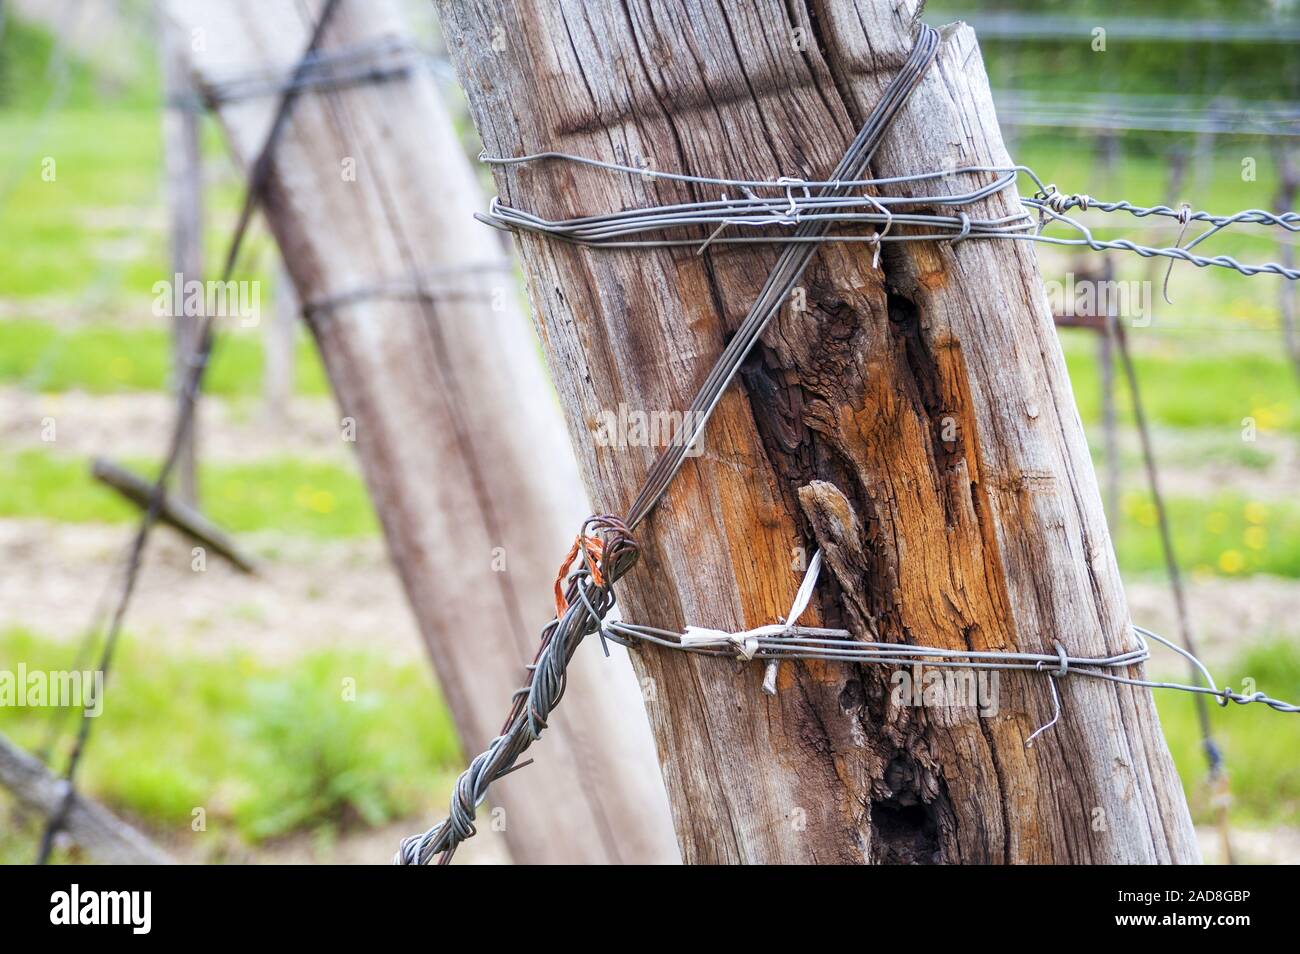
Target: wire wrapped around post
[{"x": 587, "y": 605}]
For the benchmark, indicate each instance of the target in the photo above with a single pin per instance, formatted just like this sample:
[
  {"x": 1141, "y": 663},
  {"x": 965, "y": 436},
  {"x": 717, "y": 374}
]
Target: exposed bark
[
  {"x": 458, "y": 433},
  {"x": 915, "y": 421},
  {"x": 104, "y": 837}
]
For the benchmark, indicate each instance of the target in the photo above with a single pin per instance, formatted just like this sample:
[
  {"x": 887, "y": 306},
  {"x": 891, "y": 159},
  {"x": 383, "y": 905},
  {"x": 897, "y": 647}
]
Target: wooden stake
[
  {"x": 183, "y": 171},
  {"x": 457, "y": 430},
  {"x": 279, "y": 341},
  {"x": 172, "y": 512},
  {"x": 105, "y": 837},
  {"x": 915, "y": 422}
]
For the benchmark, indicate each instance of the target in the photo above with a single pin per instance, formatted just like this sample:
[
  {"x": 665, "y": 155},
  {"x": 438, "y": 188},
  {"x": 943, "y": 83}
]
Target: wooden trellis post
[
  {"x": 106, "y": 838},
  {"x": 279, "y": 339},
  {"x": 183, "y": 168},
  {"x": 458, "y": 434},
  {"x": 915, "y": 421}
]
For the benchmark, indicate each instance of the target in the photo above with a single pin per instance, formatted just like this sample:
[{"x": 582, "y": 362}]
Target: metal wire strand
[
  {"x": 589, "y": 602},
  {"x": 834, "y": 206}
]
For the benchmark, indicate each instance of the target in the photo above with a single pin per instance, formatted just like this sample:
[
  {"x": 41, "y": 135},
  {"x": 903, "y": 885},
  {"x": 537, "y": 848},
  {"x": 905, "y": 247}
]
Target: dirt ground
[
  {"x": 124, "y": 426},
  {"x": 314, "y": 595},
  {"x": 374, "y": 846},
  {"x": 345, "y": 593}
]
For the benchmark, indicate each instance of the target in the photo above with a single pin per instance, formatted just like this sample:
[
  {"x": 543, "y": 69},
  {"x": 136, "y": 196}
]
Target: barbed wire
[
  {"x": 796, "y": 203},
  {"x": 1115, "y": 112},
  {"x": 790, "y": 641},
  {"x": 1019, "y": 24}
]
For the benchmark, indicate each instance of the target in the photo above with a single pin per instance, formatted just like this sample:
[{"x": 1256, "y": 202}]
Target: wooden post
[
  {"x": 279, "y": 340},
  {"x": 457, "y": 430},
  {"x": 914, "y": 421},
  {"x": 183, "y": 170},
  {"x": 106, "y": 838}
]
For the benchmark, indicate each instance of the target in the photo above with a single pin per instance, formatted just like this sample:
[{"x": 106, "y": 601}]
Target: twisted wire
[
  {"x": 837, "y": 645},
  {"x": 796, "y": 205},
  {"x": 376, "y": 61},
  {"x": 589, "y": 603},
  {"x": 790, "y": 266},
  {"x": 788, "y": 640},
  {"x": 431, "y": 285}
]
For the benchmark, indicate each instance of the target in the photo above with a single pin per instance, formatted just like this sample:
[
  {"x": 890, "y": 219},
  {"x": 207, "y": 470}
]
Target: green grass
[
  {"x": 1259, "y": 745},
  {"x": 1193, "y": 385},
  {"x": 27, "y": 77},
  {"x": 94, "y": 231},
  {"x": 81, "y": 196},
  {"x": 268, "y": 750},
  {"x": 94, "y": 228},
  {"x": 331, "y": 740},
  {"x": 286, "y": 495},
  {"x": 1228, "y": 535},
  {"x": 103, "y": 359}
]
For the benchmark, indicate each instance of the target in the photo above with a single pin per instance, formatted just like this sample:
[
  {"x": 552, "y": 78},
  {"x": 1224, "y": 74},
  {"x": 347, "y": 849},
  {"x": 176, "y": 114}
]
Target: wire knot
[
  {"x": 604, "y": 558},
  {"x": 1063, "y": 669},
  {"x": 791, "y": 183},
  {"x": 1060, "y": 203},
  {"x": 745, "y": 643},
  {"x": 965, "y": 228}
]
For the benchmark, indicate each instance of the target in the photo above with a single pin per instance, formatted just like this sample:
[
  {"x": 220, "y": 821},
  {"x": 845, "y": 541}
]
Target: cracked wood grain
[{"x": 914, "y": 420}]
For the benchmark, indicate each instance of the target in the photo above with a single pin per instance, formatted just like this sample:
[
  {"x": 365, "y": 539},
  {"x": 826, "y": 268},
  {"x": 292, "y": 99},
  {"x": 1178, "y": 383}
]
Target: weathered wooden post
[
  {"x": 106, "y": 838},
  {"x": 183, "y": 171},
  {"x": 438, "y": 380},
  {"x": 915, "y": 421},
  {"x": 279, "y": 340}
]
